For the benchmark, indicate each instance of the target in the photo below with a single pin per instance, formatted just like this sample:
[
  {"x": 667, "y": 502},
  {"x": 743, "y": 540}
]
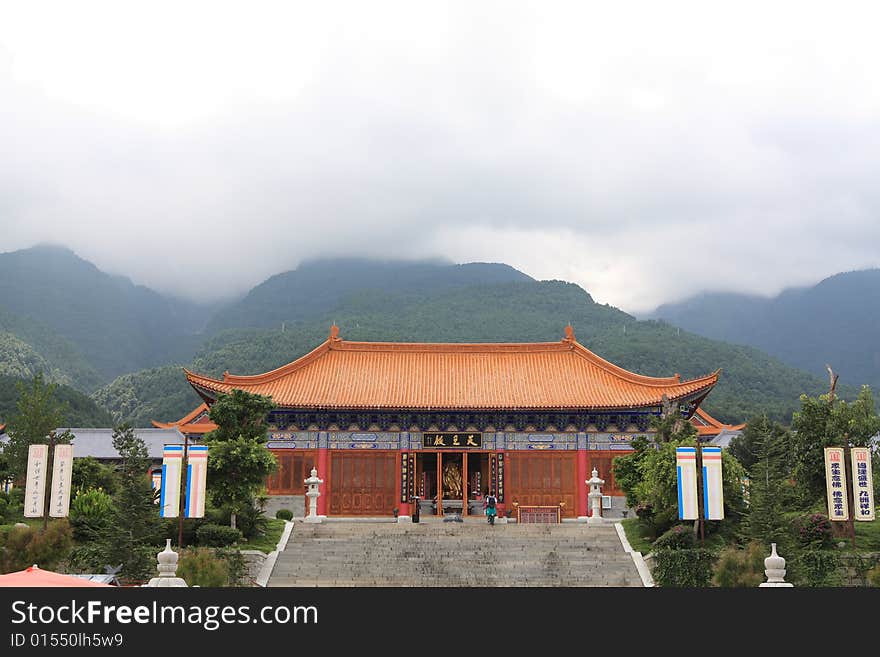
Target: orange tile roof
[
  {"x": 563, "y": 375},
  {"x": 190, "y": 423},
  {"x": 708, "y": 426}
]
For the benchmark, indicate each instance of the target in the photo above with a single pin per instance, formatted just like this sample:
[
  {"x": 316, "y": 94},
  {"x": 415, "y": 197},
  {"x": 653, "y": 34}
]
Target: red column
[
  {"x": 582, "y": 506},
  {"x": 501, "y": 506},
  {"x": 323, "y": 473}
]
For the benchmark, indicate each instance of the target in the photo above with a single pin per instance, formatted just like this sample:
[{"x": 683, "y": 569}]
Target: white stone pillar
[
  {"x": 774, "y": 568},
  {"x": 313, "y": 494}
]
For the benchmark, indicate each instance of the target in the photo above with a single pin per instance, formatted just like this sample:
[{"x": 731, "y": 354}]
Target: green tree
[
  {"x": 239, "y": 462},
  {"x": 38, "y": 414},
  {"x": 820, "y": 424},
  {"x": 764, "y": 444},
  {"x": 133, "y": 531},
  {"x": 90, "y": 473}
]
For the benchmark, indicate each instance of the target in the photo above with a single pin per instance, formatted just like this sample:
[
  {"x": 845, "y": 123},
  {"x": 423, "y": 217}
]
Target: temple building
[
  {"x": 712, "y": 431},
  {"x": 388, "y": 424}
]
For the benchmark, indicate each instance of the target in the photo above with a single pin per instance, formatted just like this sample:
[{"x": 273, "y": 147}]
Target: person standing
[{"x": 490, "y": 504}]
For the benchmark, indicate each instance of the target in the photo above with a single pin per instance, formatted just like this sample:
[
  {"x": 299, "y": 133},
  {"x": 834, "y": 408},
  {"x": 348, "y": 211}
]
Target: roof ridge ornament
[
  {"x": 334, "y": 333},
  {"x": 569, "y": 333}
]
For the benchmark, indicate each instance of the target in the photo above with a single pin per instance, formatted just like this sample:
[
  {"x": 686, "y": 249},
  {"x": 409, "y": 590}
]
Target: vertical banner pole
[{"x": 183, "y": 466}]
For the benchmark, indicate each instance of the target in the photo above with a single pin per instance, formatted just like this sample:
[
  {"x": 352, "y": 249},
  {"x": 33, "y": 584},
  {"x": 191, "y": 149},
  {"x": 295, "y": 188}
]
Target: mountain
[
  {"x": 751, "y": 382},
  {"x": 109, "y": 325},
  {"x": 836, "y": 322},
  {"x": 318, "y": 287},
  {"x": 27, "y": 346},
  {"x": 81, "y": 411}
]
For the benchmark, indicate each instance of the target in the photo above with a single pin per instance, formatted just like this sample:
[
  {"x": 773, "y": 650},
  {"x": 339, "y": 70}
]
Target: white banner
[
  {"x": 196, "y": 478},
  {"x": 62, "y": 471},
  {"x": 686, "y": 470},
  {"x": 169, "y": 497},
  {"x": 863, "y": 484},
  {"x": 713, "y": 491},
  {"x": 835, "y": 482},
  {"x": 35, "y": 488}
]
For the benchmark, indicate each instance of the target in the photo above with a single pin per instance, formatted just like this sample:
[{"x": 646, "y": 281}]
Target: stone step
[{"x": 453, "y": 554}]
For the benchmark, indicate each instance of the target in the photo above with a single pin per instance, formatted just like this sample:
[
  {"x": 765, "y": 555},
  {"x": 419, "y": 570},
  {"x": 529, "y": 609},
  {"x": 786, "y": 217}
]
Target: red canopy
[{"x": 34, "y": 576}]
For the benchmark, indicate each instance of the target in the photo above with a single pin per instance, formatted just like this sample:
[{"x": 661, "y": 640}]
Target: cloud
[{"x": 645, "y": 152}]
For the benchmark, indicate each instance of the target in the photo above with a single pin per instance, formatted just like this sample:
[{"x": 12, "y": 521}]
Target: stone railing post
[
  {"x": 313, "y": 494},
  {"x": 595, "y": 498}
]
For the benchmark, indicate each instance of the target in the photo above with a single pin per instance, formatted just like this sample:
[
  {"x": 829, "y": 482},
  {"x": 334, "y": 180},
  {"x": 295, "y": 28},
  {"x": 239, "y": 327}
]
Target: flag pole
[{"x": 182, "y": 506}]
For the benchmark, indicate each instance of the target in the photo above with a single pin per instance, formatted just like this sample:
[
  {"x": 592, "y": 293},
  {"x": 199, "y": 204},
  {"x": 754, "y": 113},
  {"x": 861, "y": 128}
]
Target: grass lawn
[
  {"x": 868, "y": 536},
  {"x": 635, "y": 534},
  {"x": 268, "y": 542}
]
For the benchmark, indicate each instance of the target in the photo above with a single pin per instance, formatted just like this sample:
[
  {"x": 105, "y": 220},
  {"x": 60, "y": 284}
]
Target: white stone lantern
[
  {"x": 595, "y": 498},
  {"x": 774, "y": 568},
  {"x": 167, "y": 568},
  {"x": 313, "y": 494}
]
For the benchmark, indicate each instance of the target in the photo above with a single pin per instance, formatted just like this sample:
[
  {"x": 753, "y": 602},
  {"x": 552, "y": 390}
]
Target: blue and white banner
[
  {"x": 196, "y": 477},
  {"x": 172, "y": 465},
  {"x": 686, "y": 471},
  {"x": 713, "y": 490}
]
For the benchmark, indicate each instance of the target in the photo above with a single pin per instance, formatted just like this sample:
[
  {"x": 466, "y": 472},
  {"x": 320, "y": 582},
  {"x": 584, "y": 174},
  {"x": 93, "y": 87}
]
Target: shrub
[
  {"x": 217, "y": 535},
  {"x": 284, "y": 514},
  {"x": 90, "y": 511},
  {"x": 688, "y": 567},
  {"x": 815, "y": 531},
  {"x": 90, "y": 473},
  {"x": 817, "y": 568},
  {"x": 25, "y": 546},
  {"x": 202, "y": 567},
  {"x": 12, "y": 505},
  {"x": 740, "y": 568},
  {"x": 873, "y": 576},
  {"x": 680, "y": 537}
]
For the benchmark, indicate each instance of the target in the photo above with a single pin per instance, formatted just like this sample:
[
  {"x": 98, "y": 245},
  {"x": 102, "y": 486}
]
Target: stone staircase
[{"x": 453, "y": 554}]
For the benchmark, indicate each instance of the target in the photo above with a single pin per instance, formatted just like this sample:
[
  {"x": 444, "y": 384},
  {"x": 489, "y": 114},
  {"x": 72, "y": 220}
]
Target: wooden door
[
  {"x": 294, "y": 466},
  {"x": 542, "y": 479},
  {"x": 363, "y": 484}
]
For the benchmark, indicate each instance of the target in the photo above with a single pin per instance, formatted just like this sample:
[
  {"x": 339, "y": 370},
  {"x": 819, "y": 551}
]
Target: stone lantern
[
  {"x": 595, "y": 498},
  {"x": 774, "y": 568},
  {"x": 167, "y": 568},
  {"x": 313, "y": 494}
]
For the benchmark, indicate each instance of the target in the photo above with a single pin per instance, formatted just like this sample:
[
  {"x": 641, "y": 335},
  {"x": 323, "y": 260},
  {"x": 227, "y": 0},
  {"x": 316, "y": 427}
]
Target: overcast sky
[{"x": 645, "y": 151}]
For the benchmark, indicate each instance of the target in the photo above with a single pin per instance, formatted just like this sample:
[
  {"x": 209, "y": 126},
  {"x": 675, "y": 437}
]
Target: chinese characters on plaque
[
  {"x": 863, "y": 484},
  {"x": 37, "y": 473},
  {"x": 460, "y": 440},
  {"x": 836, "y": 484}
]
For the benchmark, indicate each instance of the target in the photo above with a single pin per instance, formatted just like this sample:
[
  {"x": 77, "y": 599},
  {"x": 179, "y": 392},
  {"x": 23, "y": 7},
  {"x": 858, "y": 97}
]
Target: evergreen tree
[
  {"x": 769, "y": 472},
  {"x": 133, "y": 533},
  {"x": 39, "y": 414}
]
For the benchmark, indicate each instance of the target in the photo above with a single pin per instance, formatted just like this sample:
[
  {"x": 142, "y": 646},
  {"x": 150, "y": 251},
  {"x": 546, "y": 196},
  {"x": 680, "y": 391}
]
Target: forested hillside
[
  {"x": 114, "y": 325},
  {"x": 318, "y": 287},
  {"x": 751, "y": 382},
  {"x": 835, "y": 322},
  {"x": 81, "y": 411}
]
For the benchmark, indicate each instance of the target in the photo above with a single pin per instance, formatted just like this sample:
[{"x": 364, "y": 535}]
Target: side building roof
[{"x": 98, "y": 443}]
